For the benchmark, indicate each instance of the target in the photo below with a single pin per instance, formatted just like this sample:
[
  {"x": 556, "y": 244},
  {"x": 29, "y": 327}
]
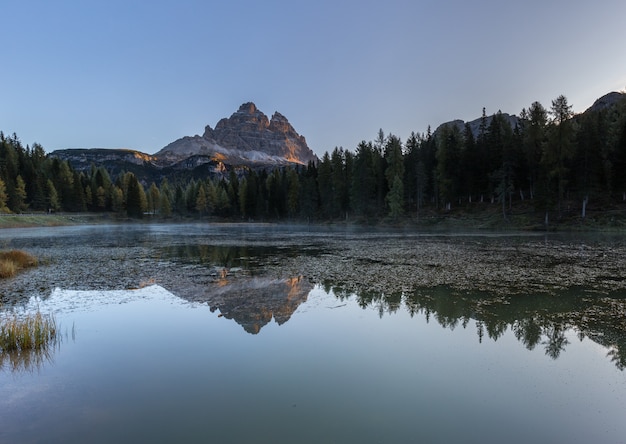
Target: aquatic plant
[
  {"x": 27, "y": 332},
  {"x": 13, "y": 261}
]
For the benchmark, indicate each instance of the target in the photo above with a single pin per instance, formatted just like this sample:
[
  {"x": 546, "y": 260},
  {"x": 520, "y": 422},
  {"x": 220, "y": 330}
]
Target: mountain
[{"x": 246, "y": 139}]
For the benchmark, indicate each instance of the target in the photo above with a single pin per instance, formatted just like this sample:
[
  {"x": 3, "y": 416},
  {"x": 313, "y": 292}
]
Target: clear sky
[{"x": 141, "y": 74}]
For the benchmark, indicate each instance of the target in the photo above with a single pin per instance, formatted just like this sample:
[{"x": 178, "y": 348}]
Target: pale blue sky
[{"x": 140, "y": 74}]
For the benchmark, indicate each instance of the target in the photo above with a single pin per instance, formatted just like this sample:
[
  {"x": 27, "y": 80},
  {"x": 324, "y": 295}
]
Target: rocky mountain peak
[
  {"x": 280, "y": 124},
  {"x": 248, "y": 107},
  {"x": 247, "y": 118},
  {"x": 248, "y": 136}
]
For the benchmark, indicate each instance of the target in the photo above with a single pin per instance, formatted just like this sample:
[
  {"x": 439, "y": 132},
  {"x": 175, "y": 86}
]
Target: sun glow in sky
[{"x": 139, "y": 74}]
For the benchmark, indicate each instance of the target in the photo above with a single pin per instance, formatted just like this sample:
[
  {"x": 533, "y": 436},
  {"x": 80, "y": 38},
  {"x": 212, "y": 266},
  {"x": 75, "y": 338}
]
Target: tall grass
[
  {"x": 13, "y": 261},
  {"x": 27, "y": 341},
  {"x": 28, "y": 332}
]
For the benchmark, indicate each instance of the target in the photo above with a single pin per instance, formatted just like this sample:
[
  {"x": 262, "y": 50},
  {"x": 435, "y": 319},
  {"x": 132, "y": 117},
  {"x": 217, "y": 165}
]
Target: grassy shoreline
[{"x": 49, "y": 220}]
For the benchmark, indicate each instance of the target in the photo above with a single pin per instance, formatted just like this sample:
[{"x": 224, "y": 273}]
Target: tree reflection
[
  {"x": 527, "y": 331},
  {"x": 555, "y": 341},
  {"x": 533, "y": 319}
]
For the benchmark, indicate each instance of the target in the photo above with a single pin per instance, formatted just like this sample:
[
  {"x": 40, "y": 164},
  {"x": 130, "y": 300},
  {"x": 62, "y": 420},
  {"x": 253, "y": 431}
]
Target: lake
[{"x": 179, "y": 333}]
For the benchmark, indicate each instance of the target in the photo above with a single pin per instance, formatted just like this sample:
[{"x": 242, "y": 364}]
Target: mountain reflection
[
  {"x": 253, "y": 302},
  {"x": 535, "y": 320}
]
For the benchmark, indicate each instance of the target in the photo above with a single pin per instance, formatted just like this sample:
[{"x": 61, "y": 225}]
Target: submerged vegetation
[{"x": 11, "y": 262}]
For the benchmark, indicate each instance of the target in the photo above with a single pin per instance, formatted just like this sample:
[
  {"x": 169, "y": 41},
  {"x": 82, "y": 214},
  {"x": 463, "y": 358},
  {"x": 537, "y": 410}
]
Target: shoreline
[{"x": 432, "y": 222}]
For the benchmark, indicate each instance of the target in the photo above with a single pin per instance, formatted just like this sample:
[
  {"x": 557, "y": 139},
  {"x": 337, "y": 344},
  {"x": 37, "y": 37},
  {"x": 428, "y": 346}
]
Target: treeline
[{"x": 552, "y": 160}]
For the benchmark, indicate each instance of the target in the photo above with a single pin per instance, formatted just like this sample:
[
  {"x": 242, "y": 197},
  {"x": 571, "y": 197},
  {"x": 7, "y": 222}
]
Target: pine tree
[
  {"x": 3, "y": 197},
  {"x": 154, "y": 198},
  {"x": 201, "y": 201},
  {"x": 449, "y": 142},
  {"x": 20, "y": 203},
  {"x": 292, "y": 184},
  {"x": 394, "y": 175},
  {"x": 559, "y": 149},
  {"x": 395, "y": 198},
  {"x": 52, "y": 196},
  {"x": 534, "y": 123},
  {"x": 133, "y": 198}
]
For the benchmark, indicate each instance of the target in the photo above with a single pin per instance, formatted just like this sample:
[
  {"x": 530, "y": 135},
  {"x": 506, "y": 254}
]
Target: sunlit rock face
[{"x": 246, "y": 137}]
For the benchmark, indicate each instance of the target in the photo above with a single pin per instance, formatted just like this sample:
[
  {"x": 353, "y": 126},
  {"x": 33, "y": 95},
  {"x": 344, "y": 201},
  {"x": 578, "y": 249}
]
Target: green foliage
[
  {"x": 3, "y": 197},
  {"x": 135, "y": 198},
  {"x": 554, "y": 160}
]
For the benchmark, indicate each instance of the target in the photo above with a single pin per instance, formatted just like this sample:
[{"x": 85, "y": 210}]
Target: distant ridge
[{"x": 604, "y": 102}]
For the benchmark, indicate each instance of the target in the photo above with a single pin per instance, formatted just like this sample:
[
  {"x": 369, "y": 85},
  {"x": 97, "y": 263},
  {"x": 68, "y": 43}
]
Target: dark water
[{"x": 268, "y": 359}]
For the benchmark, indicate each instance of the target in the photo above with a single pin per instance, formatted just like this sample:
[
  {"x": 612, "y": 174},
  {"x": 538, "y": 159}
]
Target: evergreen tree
[
  {"x": 202, "y": 205},
  {"x": 449, "y": 142},
  {"x": 339, "y": 184},
  {"x": 3, "y": 197},
  {"x": 394, "y": 173},
  {"x": 165, "y": 207},
  {"x": 395, "y": 198},
  {"x": 363, "y": 189},
  {"x": 20, "y": 196},
  {"x": 154, "y": 197},
  {"x": 52, "y": 196},
  {"x": 559, "y": 148},
  {"x": 534, "y": 124},
  {"x": 134, "y": 204},
  {"x": 309, "y": 194},
  {"x": 117, "y": 200},
  {"x": 293, "y": 193}
]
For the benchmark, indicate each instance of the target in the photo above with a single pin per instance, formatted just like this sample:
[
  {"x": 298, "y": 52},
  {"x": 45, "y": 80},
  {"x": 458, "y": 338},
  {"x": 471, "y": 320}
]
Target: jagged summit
[{"x": 247, "y": 136}]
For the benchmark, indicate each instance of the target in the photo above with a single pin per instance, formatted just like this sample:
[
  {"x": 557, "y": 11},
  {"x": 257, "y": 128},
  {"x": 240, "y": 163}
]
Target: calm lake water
[{"x": 275, "y": 360}]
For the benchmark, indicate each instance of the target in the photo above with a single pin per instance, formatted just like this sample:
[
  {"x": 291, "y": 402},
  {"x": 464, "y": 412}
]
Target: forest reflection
[{"x": 536, "y": 320}]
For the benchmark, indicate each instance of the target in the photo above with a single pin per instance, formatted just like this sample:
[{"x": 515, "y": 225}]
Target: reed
[
  {"x": 13, "y": 261},
  {"x": 27, "y": 332}
]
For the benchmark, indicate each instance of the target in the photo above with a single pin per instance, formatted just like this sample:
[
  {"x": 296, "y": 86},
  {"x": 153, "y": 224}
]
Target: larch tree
[{"x": 560, "y": 148}]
